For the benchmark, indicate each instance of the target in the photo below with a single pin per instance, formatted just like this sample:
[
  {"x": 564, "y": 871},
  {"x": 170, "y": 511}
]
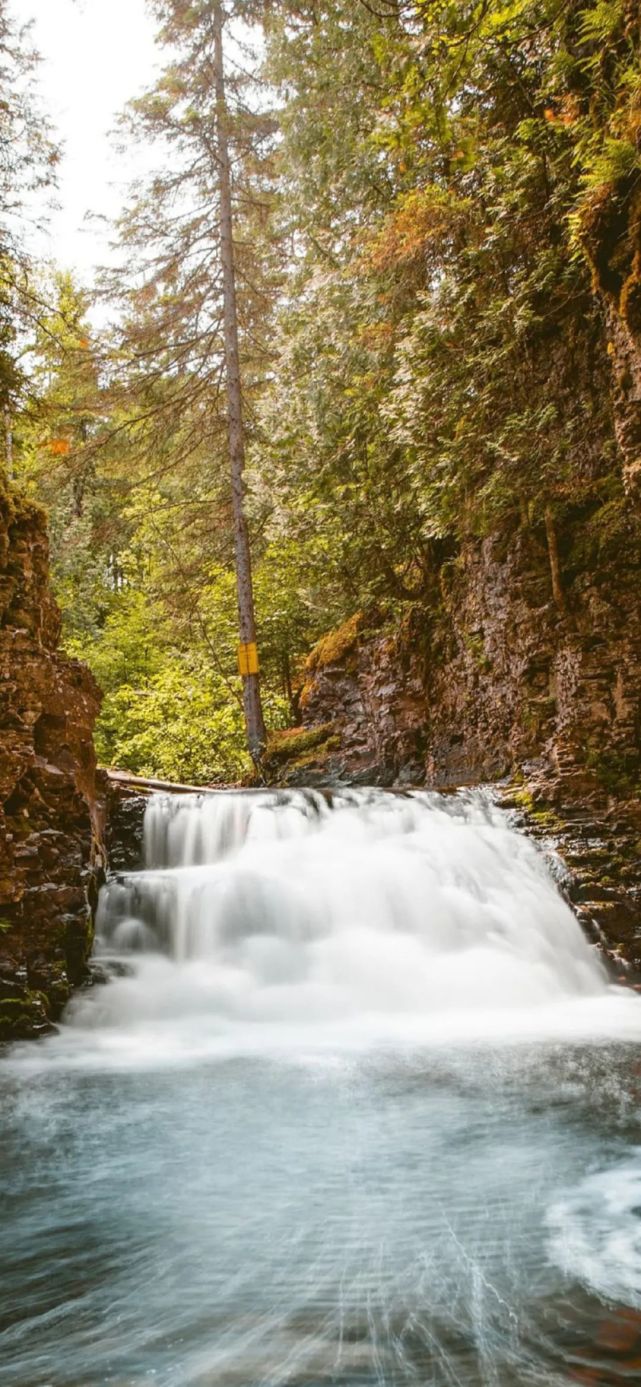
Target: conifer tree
[
  {"x": 196, "y": 289},
  {"x": 27, "y": 164},
  {"x": 235, "y": 428}
]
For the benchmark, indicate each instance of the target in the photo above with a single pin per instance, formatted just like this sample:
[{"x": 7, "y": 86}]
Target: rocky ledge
[
  {"x": 51, "y": 805},
  {"x": 492, "y": 678},
  {"x": 594, "y": 844}
]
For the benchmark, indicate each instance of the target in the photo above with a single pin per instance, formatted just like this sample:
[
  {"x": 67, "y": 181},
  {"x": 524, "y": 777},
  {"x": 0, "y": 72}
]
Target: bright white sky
[{"x": 96, "y": 54}]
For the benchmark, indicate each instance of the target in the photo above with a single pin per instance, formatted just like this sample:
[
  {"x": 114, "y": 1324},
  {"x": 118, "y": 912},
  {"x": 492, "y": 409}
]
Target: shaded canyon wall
[
  {"x": 488, "y": 680},
  {"x": 51, "y": 854}
]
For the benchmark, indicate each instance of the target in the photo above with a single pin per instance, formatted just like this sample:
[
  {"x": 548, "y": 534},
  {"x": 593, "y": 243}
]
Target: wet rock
[
  {"x": 486, "y": 681},
  {"x": 124, "y": 827},
  {"x": 51, "y": 800},
  {"x": 104, "y": 970}
]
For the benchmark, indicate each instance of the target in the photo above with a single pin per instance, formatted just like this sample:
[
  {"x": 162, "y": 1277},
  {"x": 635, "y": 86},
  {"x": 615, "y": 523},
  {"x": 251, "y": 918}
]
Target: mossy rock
[
  {"x": 541, "y": 818},
  {"x": 296, "y": 742},
  {"x": 333, "y": 647},
  {"x": 522, "y": 799},
  {"x": 312, "y": 758},
  {"x": 24, "y": 1017}
]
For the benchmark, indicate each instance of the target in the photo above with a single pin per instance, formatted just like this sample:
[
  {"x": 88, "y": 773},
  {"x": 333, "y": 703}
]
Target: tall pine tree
[{"x": 196, "y": 288}]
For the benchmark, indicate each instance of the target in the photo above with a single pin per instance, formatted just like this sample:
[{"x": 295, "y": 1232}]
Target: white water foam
[
  {"x": 287, "y": 918},
  {"x": 595, "y": 1231},
  {"x": 380, "y": 1185}
]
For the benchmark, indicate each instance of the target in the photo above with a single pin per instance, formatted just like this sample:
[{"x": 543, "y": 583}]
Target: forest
[
  {"x": 320, "y": 694},
  {"x": 422, "y": 191}
]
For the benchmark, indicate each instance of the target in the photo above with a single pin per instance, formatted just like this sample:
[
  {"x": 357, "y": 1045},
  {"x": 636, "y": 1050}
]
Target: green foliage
[
  {"x": 440, "y": 370},
  {"x": 423, "y": 357},
  {"x": 168, "y": 711},
  {"x": 180, "y": 725},
  {"x": 613, "y": 161},
  {"x": 27, "y": 166},
  {"x": 601, "y": 22}
]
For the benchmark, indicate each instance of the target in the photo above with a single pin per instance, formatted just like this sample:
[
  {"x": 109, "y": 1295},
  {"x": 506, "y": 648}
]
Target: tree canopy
[{"x": 425, "y": 361}]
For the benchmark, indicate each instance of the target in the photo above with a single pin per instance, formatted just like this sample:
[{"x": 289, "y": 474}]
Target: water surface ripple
[{"x": 316, "y": 1137}]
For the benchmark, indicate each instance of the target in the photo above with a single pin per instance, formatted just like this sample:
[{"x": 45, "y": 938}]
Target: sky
[{"x": 96, "y": 54}]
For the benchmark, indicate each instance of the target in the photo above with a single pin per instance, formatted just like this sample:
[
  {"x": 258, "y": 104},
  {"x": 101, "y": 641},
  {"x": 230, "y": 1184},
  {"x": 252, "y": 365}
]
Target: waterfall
[
  {"x": 357, "y": 1106},
  {"x": 362, "y": 908}
]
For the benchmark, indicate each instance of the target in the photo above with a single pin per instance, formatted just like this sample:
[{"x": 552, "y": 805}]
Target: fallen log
[{"x": 144, "y": 785}]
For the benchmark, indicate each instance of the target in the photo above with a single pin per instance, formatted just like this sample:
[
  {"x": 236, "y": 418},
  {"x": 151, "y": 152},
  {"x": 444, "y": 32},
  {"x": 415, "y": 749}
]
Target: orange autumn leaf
[{"x": 60, "y": 447}]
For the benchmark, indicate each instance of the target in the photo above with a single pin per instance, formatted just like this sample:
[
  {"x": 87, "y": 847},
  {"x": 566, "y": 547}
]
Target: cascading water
[
  {"x": 357, "y": 1107},
  {"x": 383, "y": 913}
]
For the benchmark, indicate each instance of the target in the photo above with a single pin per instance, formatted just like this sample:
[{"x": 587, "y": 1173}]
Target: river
[{"x": 359, "y": 1106}]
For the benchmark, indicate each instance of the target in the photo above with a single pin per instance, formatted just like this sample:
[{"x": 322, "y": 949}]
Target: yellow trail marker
[{"x": 248, "y": 659}]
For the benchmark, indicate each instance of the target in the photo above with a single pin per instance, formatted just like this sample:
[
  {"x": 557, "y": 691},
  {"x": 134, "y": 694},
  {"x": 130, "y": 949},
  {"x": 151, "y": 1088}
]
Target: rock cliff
[
  {"x": 486, "y": 675},
  {"x": 50, "y": 810},
  {"x": 498, "y": 676}
]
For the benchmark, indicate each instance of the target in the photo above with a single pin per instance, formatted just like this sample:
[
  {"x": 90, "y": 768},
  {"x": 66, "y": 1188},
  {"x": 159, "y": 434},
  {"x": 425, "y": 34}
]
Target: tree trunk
[
  {"x": 248, "y": 661},
  {"x": 8, "y": 443},
  {"x": 553, "y": 556}
]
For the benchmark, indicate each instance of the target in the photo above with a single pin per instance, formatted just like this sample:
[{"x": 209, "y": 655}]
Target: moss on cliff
[
  {"x": 296, "y": 748},
  {"x": 334, "y": 647}
]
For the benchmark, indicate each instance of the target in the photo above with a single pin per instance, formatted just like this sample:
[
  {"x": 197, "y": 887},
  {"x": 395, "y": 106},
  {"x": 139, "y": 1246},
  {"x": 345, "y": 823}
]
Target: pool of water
[
  {"x": 470, "y": 1217},
  {"x": 360, "y": 1106}
]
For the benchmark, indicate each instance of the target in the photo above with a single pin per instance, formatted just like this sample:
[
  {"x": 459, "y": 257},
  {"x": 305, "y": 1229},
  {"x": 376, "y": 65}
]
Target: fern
[
  {"x": 615, "y": 161},
  {"x": 601, "y": 22}
]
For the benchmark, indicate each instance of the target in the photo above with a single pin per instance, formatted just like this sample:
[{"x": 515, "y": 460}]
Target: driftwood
[{"x": 144, "y": 786}]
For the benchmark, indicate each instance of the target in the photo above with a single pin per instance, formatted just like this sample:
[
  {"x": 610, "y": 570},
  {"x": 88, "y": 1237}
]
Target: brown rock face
[
  {"x": 50, "y": 811},
  {"x": 373, "y": 698},
  {"x": 487, "y": 676},
  {"x": 486, "y": 680}
]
